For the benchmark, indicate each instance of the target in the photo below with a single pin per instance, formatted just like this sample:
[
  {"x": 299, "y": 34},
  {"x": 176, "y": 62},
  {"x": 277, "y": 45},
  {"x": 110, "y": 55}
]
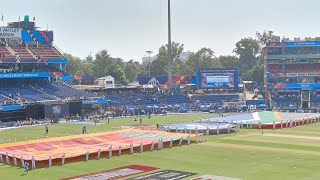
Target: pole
[
  {"x": 149, "y": 65},
  {"x": 169, "y": 49},
  {"x": 149, "y": 53}
]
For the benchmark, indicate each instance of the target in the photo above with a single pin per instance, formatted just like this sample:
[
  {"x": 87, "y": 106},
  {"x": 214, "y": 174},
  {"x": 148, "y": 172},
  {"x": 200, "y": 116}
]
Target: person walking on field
[
  {"x": 47, "y": 129},
  {"x": 26, "y": 167}
]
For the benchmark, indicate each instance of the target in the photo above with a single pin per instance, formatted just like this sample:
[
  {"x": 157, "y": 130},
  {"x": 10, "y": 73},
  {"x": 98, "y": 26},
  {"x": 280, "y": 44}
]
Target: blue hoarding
[
  {"x": 95, "y": 101},
  {"x": 302, "y": 43},
  {"x": 11, "y": 107},
  {"x": 49, "y": 61},
  {"x": 66, "y": 78},
  {"x": 258, "y": 102},
  {"x": 25, "y": 75},
  {"x": 313, "y": 85},
  {"x": 37, "y": 36}
]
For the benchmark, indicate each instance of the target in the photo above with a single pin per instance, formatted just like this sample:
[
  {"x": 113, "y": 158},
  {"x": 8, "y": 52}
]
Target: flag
[
  {"x": 34, "y": 18},
  {"x": 2, "y": 18}
]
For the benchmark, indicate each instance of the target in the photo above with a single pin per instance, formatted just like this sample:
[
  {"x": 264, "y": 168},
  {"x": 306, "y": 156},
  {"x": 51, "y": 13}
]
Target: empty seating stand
[
  {"x": 22, "y": 52},
  {"x": 41, "y": 92},
  {"x": 217, "y": 99},
  {"x": 146, "y": 99},
  {"x": 5, "y": 54},
  {"x": 45, "y": 52},
  {"x": 62, "y": 91},
  {"x": 26, "y": 93},
  {"x": 3, "y": 100}
]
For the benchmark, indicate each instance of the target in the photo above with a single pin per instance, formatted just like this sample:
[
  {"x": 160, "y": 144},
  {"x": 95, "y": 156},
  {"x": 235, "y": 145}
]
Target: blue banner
[
  {"x": 258, "y": 102},
  {"x": 37, "y": 36},
  {"x": 63, "y": 60},
  {"x": 66, "y": 78},
  {"x": 302, "y": 43},
  {"x": 303, "y": 85},
  {"x": 24, "y": 75},
  {"x": 57, "y": 61},
  {"x": 95, "y": 101},
  {"x": 11, "y": 107}
]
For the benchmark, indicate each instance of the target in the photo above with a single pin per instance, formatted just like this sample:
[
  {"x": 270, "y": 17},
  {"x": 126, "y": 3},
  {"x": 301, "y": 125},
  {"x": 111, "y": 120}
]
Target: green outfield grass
[{"x": 281, "y": 154}]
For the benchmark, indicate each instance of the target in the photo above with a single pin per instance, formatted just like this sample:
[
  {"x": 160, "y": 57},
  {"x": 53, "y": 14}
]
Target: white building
[
  {"x": 146, "y": 59},
  {"x": 107, "y": 82},
  {"x": 185, "y": 55}
]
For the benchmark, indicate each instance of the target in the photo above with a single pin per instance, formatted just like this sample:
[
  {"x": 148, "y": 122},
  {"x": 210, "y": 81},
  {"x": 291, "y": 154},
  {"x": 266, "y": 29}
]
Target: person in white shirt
[
  {"x": 141, "y": 147},
  {"x": 99, "y": 153},
  {"x": 110, "y": 151},
  {"x": 120, "y": 149},
  {"x": 33, "y": 163},
  {"x": 87, "y": 155},
  {"x": 63, "y": 158},
  {"x": 7, "y": 158},
  {"x": 180, "y": 142},
  {"x": 22, "y": 161},
  {"x": 159, "y": 144},
  {"x": 50, "y": 161},
  {"x": 14, "y": 159},
  {"x": 131, "y": 148},
  {"x": 152, "y": 145}
]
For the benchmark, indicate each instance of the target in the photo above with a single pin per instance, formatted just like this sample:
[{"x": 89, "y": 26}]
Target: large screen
[
  {"x": 220, "y": 81},
  {"x": 218, "y": 78}
]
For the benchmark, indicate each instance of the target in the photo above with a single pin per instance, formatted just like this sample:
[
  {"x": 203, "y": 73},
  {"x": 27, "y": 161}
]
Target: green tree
[
  {"x": 105, "y": 65},
  {"x": 132, "y": 69},
  {"x": 257, "y": 73},
  {"x": 101, "y": 63},
  {"x": 248, "y": 51},
  {"x": 264, "y": 37},
  {"x": 181, "y": 68},
  {"x": 75, "y": 65},
  {"x": 203, "y": 58},
  {"x": 160, "y": 65},
  {"x": 229, "y": 61}
]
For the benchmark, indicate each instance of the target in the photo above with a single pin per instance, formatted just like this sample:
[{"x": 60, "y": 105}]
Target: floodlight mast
[
  {"x": 149, "y": 53},
  {"x": 169, "y": 50}
]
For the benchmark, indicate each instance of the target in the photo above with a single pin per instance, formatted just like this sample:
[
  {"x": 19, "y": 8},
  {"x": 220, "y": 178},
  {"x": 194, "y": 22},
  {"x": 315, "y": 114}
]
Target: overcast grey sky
[{"x": 127, "y": 28}]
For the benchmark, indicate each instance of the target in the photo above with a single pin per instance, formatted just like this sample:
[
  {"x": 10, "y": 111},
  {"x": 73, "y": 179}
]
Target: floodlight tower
[
  {"x": 169, "y": 49},
  {"x": 149, "y": 53}
]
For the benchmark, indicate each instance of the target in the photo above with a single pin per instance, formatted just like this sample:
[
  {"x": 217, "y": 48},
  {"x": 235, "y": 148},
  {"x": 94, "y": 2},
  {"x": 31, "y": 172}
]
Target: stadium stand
[
  {"x": 42, "y": 91},
  {"x": 148, "y": 99},
  {"x": 45, "y": 52},
  {"x": 217, "y": 99},
  {"x": 22, "y": 52},
  {"x": 292, "y": 74},
  {"x": 4, "y": 100},
  {"x": 4, "y": 53},
  {"x": 60, "y": 90},
  {"x": 174, "y": 99},
  {"x": 287, "y": 99},
  {"x": 24, "y": 93}
]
